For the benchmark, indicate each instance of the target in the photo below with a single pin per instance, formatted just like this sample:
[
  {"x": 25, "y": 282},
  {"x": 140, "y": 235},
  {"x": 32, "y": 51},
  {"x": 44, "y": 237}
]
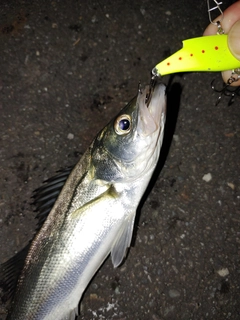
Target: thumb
[
  {"x": 234, "y": 46},
  {"x": 234, "y": 40}
]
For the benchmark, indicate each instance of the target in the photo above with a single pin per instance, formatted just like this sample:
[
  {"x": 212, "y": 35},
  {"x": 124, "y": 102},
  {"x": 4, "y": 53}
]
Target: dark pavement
[{"x": 67, "y": 67}]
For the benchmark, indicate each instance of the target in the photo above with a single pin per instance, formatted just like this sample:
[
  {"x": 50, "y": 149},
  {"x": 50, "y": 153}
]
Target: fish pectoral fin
[
  {"x": 123, "y": 240},
  {"x": 71, "y": 315}
]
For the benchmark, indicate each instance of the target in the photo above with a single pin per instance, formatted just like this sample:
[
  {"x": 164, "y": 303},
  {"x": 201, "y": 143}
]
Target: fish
[{"x": 93, "y": 215}]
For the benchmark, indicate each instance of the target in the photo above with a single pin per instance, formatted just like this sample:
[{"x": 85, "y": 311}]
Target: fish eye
[{"x": 122, "y": 124}]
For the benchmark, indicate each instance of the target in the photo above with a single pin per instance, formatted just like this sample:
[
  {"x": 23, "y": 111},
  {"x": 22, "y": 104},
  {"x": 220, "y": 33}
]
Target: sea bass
[{"x": 94, "y": 213}]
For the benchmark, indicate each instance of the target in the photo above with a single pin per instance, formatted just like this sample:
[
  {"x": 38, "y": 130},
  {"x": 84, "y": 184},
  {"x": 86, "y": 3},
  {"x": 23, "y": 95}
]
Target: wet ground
[{"x": 66, "y": 68}]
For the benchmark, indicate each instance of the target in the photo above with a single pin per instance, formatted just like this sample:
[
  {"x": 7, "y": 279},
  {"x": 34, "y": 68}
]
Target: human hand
[{"x": 231, "y": 26}]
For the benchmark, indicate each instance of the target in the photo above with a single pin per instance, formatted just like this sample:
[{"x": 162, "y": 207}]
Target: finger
[
  {"x": 226, "y": 75},
  {"x": 230, "y": 16},
  {"x": 234, "y": 46},
  {"x": 234, "y": 40}
]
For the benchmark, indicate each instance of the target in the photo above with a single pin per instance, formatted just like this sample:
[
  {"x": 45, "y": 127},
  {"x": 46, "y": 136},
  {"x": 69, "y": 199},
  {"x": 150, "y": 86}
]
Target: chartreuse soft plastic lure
[{"x": 208, "y": 53}]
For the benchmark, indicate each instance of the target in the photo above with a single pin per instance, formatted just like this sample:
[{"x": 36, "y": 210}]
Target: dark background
[{"x": 67, "y": 67}]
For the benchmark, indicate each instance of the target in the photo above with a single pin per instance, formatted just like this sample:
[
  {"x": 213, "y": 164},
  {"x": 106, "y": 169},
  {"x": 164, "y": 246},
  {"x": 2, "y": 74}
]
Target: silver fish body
[{"x": 94, "y": 213}]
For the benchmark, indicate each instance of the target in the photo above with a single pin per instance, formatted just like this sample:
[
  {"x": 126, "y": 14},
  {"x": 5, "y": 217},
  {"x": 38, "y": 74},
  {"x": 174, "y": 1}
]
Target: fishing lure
[{"x": 208, "y": 53}]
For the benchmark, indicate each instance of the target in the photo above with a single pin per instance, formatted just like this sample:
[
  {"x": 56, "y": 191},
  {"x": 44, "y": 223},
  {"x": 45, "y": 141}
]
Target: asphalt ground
[{"x": 66, "y": 68}]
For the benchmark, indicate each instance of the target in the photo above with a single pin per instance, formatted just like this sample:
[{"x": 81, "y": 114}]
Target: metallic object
[
  {"x": 227, "y": 90},
  {"x": 216, "y": 7}
]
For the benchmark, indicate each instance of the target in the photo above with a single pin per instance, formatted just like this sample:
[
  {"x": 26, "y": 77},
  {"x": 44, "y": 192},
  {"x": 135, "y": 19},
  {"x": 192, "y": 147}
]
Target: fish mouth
[
  {"x": 152, "y": 105},
  {"x": 151, "y": 87}
]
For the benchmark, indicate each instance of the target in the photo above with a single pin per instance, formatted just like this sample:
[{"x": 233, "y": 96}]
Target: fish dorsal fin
[
  {"x": 123, "y": 240},
  {"x": 45, "y": 196}
]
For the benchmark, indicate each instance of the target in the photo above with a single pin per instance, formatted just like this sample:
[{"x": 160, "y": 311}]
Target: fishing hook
[
  {"x": 227, "y": 90},
  {"x": 152, "y": 84}
]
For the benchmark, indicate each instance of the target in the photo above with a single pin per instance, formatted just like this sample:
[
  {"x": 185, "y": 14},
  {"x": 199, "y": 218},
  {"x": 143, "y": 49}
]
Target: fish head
[{"x": 132, "y": 140}]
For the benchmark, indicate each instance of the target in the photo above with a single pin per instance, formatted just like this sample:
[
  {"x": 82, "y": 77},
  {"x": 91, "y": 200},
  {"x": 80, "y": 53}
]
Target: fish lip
[
  {"x": 158, "y": 96},
  {"x": 151, "y": 87},
  {"x": 152, "y": 104}
]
